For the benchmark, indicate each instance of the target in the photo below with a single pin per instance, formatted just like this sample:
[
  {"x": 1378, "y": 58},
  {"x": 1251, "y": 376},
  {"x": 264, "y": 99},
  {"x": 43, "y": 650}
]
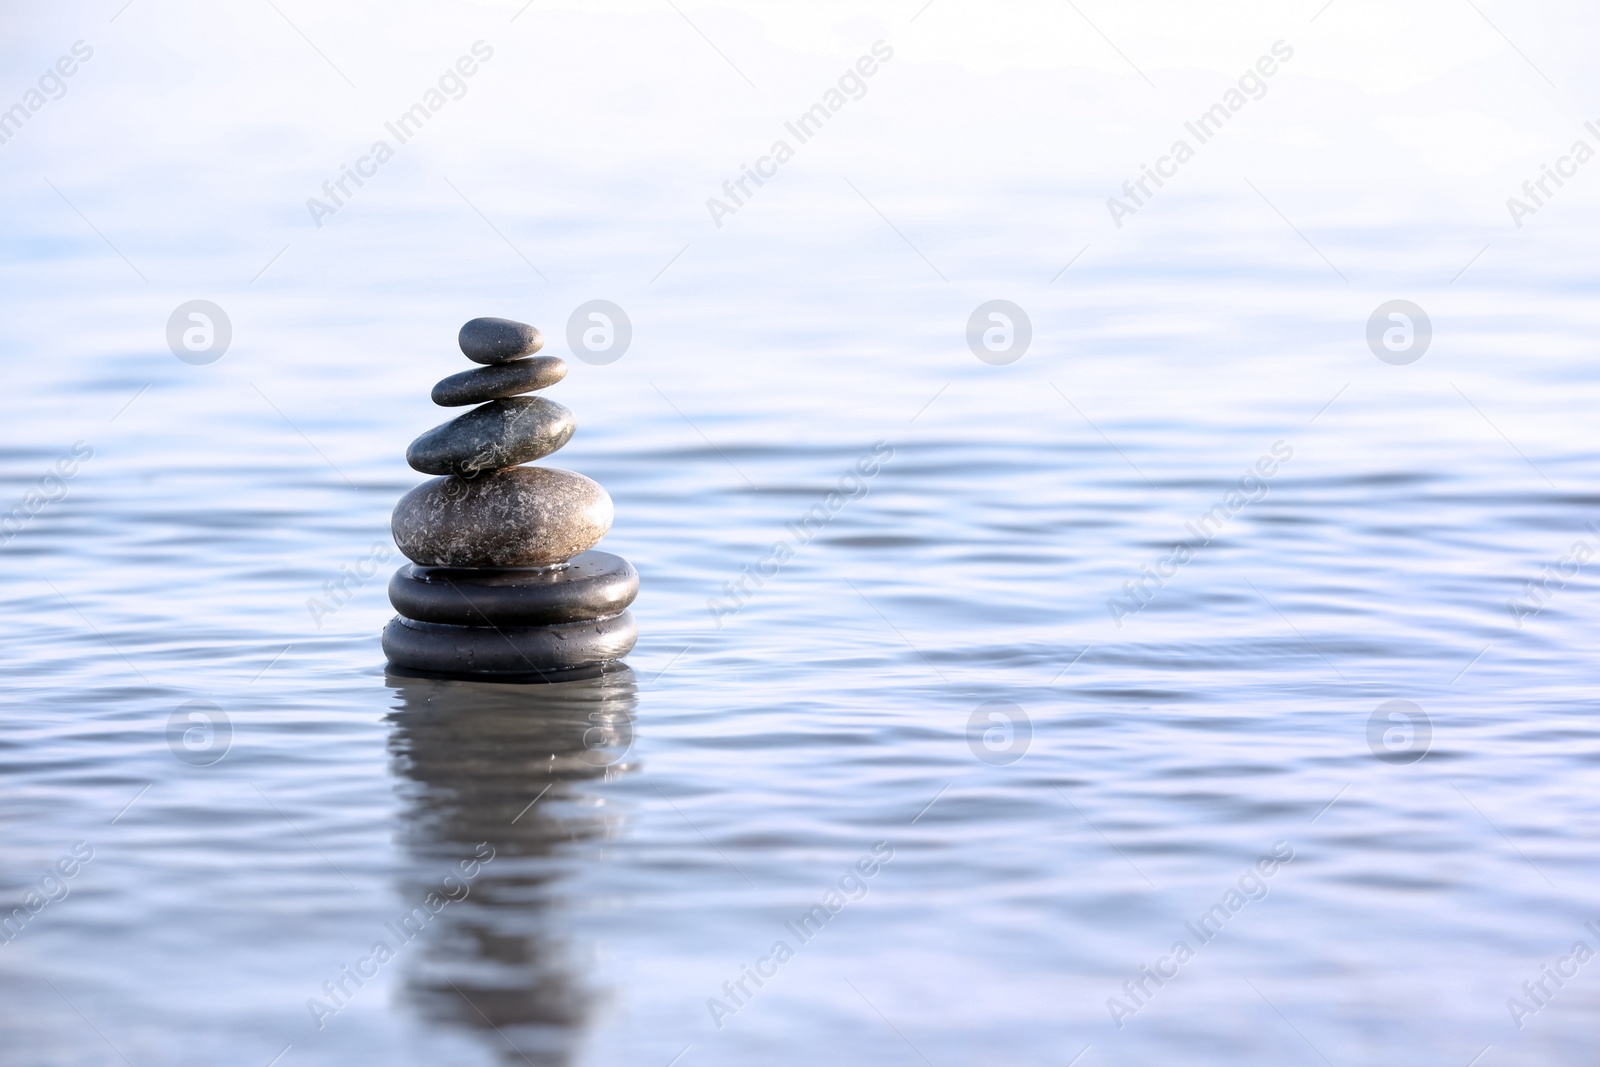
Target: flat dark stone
[
  {"x": 498, "y": 340},
  {"x": 500, "y": 380},
  {"x": 517, "y": 651},
  {"x": 593, "y": 585},
  {"x": 517, "y": 517},
  {"x": 399, "y": 676},
  {"x": 501, "y": 433}
]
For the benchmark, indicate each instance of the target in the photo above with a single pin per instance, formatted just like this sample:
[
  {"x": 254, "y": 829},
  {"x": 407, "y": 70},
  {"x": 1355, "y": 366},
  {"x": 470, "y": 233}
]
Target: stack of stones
[{"x": 502, "y": 581}]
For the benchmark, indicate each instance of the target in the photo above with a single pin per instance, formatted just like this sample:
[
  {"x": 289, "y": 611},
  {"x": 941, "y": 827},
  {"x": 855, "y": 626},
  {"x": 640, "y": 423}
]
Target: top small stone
[{"x": 499, "y": 340}]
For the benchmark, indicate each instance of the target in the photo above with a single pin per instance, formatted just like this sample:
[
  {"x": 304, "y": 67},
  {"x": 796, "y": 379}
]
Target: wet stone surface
[
  {"x": 501, "y": 433},
  {"x": 592, "y": 585},
  {"x": 520, "y": 517},
  {"x": 516, "y": 650},
  {"x": 491, "y": 340},
  {"x": 499, "y": 380}
]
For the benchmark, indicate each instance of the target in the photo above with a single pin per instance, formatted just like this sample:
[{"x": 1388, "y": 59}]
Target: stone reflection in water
[{"x": 506, "y": 765}]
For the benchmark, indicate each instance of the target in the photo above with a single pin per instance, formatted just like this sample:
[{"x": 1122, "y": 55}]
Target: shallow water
[{"x": 927, "y": 715}]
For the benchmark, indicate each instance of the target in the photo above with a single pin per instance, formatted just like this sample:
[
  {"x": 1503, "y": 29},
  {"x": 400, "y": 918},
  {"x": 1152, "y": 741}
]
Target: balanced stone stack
[{"x": 502, "y": 580}]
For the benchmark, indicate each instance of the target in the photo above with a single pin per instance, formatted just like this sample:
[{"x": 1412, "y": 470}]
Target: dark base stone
[
  {"x": 396, "y": 675},
  {"x": 591, "y": 585},
  {"x": 538, "y": 651}
]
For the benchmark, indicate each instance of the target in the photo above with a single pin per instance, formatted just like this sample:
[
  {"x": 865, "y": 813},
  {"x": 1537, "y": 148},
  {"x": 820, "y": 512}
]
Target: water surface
[{"x": 933, "y": 721}]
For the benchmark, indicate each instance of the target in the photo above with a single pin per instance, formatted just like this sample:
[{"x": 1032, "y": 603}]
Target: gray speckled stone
[
  {"x": 592, "y": 585},
  {"x": 514, "y": 650},
  {"x": 518, "y": 517},
  {"x": 498, "y": 340},
  {"x": 501, "y": 433},
  {"x": 500, "y": 380}
]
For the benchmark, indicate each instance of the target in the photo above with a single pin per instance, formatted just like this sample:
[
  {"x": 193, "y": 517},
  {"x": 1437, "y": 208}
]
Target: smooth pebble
[
  {"x": 501, "y": 433},
  {"x": 500, "y": 380},
  {"x": 518, "y": 517},
  {"x": 593, "y": 585},
  {"x": 531, "y": 653},
  {"x": 490, "y": 340}
]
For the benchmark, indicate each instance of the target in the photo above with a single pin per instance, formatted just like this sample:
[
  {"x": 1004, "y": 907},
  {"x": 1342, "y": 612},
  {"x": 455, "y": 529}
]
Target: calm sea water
[{"x": 926, "y": 788}]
